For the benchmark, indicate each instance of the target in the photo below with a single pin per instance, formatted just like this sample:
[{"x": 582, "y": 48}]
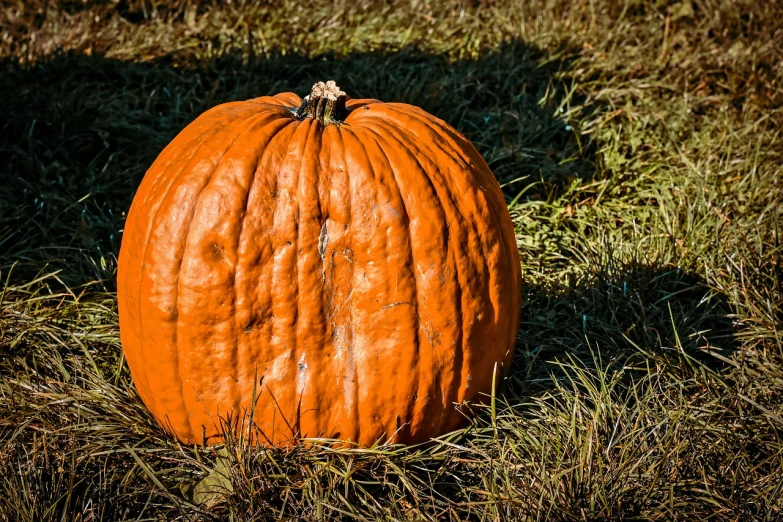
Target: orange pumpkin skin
[{"x": 360, "y": 277}]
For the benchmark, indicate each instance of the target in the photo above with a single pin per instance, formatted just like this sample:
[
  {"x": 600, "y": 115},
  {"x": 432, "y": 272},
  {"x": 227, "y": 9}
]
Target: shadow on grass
[
  {"x": 616, "y": 312},
  {"x": 81, "y": 131}
]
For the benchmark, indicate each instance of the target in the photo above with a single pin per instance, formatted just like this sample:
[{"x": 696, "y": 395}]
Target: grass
[{"x": 639, "y": 145}]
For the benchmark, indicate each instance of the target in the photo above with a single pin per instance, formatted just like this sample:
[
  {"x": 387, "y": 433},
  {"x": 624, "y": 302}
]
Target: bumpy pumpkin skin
[{"x": 361, "y": 278}]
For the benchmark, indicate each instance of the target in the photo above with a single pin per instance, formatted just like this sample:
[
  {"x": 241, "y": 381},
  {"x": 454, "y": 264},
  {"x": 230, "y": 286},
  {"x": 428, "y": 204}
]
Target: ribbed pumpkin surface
[{"x": 362, "y": 278}]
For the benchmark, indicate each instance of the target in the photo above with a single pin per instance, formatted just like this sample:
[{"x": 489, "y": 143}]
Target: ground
[{"x": 639, "y": 147}]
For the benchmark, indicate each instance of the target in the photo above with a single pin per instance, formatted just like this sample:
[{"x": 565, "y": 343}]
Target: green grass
[{"x": 640, "y": 148}]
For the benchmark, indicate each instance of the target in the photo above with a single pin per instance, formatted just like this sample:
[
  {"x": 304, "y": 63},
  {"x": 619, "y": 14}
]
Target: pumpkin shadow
[
  {"x": 616, "y": 314},
  {"x": 81, "y": 131}
]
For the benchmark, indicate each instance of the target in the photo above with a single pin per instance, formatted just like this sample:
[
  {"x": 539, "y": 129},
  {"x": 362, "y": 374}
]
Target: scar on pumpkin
[{"x": 323, "y": 239}]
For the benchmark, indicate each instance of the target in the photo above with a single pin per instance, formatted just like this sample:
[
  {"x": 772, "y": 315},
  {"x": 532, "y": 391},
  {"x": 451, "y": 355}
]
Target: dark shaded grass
[
  {"x": 73, "y": 132},
  {"x": 639, "y": 148}
]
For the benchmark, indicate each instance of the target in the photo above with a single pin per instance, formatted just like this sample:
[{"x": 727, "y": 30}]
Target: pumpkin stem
[{"x": 326, "y": 103}]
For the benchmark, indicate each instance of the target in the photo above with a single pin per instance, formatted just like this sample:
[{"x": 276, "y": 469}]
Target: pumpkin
[{"x": 337, "y": 268}]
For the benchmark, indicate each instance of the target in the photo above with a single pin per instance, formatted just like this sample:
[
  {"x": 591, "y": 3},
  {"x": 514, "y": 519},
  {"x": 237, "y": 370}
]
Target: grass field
[{"x": 639, "y": 146}]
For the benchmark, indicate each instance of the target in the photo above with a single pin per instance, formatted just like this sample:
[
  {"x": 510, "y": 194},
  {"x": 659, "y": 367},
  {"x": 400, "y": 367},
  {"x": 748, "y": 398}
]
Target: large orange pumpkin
[{"x": 351, "y": 262}]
